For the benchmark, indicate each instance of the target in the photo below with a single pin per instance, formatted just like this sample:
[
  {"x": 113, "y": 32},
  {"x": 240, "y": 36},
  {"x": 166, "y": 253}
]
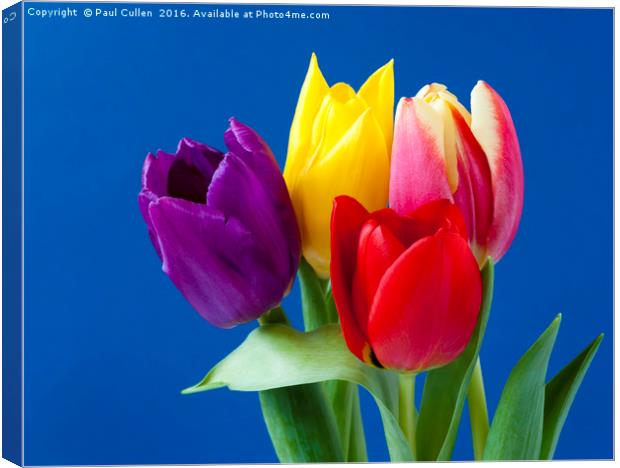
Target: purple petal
[
  {"x": 200, "y": 156},
  {"x": 213, "y": 261},
  {"x": 145, "y": 198},
  {"x": 186, "y": 174},
  {"x": 248, "y": 186},
  {"x": 223, "y": 226},
  {"x": 241, "y": 139},
  {"x": 187, "y": 182},
  {"x": 154, "y": 184},
  {"x": 155, "y": 173}
]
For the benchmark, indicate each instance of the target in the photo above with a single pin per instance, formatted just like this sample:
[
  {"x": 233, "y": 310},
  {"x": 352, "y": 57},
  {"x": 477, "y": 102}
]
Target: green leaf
[
  {"x": 301, "y": 424},
  {"x": 275, "y": 356},
  {"x": 445, "y": 389},
  {"x": 319, "y": 309},
  {"x": 517, "y": 429},
  {"x": 357, "y": 439},
  {"x": 344, "y": 398},
  {"x": 300, "y": 421},
  {"x": 559, "y": 395}
]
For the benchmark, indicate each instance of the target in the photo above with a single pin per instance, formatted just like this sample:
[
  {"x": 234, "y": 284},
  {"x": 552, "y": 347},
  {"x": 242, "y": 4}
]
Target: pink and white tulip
[{"x": 441, "y": 151}]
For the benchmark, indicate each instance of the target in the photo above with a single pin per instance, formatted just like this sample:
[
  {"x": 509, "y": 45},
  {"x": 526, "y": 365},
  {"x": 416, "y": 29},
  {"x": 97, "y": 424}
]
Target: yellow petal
[
  {"x": 443, "y": 101},
  {"x": 358, "y": 166},
  {"x": 437, "y": 91},
  {"x": 378, "y": 92},
  {"x": 429, "y": 89},
  {"x": 489, "y": 125},
  {"x": 449, "y": 138},
  {"x": 451, "y": 98},
  {"x": 311, "y": 96},
  {"x": 340, "y": 108}
]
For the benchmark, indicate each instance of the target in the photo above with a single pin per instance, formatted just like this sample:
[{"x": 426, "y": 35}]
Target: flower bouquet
[{"x": 387, "y": 293}]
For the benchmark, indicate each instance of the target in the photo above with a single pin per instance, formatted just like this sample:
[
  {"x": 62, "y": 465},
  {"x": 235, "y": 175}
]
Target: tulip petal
[
  {"x": 243, "y": 141},
  {"x": 248, "y": 187},
  {"x": 418, "y": 172},
  {"x": 145, "y": 198},
  {"x": 162, "y": 176},
  {"x": 426, "y": 305},
  {"x": 449, "y": 138},
  {"x": 203, "y": 158},
  {"x": 358, "y": 166},
  {"x": 155, "y": 173},
  {"x": 435, "y": 92},
  {"x": 439, "y": 214},
  {"x": 423, "y": 222},
  {"x": 310, "y": 99},
  {"x": 378, "y": 92},
  {"x": 377, "y": 249},
  {"x": 493, "y": 127},
  {"x": 348, "y": 216},
  {"x": 188, "y": 172},
  {"x": 339, "y": 111},
  {"x": 444, "y": 103},
  {"x": 474, "y": 195},
  {"x": 220, "y": 278},
  {"x": 154, "y": 185}
]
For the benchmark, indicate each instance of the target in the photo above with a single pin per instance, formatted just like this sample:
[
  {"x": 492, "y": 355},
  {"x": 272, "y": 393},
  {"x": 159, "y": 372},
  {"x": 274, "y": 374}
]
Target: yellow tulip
[{"x": 339, "y": 144}]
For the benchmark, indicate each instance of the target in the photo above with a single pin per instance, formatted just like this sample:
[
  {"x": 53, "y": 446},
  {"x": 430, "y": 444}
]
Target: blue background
[{"x": 110, "y": 342}]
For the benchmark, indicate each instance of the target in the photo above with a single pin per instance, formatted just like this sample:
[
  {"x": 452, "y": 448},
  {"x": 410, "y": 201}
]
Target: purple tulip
[{"x": 223, "y": 225}]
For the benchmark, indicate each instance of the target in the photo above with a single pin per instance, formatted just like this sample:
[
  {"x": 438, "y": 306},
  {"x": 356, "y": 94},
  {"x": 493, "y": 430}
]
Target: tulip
[
  {"x": 440, "y": 151},
  {"x": 339, "y": 143},
  {"x": 223, "y": 225},
  {"x": 407, "y": 288}
]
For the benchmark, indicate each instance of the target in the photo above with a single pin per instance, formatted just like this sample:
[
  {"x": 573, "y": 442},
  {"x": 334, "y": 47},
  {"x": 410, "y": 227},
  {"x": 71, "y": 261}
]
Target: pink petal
[
  {"x": 418, "y": 168},
  {"x": 495, "y": 131},
  {"x": 474, "y": 195}
]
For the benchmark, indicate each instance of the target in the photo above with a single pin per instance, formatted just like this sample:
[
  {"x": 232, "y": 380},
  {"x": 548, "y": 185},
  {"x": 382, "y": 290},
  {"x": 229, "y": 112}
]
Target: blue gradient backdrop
[{"x": 110, "y": 342}]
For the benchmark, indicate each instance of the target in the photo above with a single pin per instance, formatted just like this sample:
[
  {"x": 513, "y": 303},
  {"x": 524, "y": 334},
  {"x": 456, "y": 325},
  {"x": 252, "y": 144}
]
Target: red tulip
[
  {"x": 440, "y": 151},
  {"x": 407, "y": 288}
]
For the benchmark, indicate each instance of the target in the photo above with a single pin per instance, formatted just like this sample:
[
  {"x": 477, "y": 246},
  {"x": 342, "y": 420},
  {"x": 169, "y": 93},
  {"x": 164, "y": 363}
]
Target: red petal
[
  {"x": 348, "y": 217},
  {"x": 425, "y": 221},
  {"x": 474, "y": 195},
  {"x": 427, "y": 304},
  {"x": 439, "y": 214},
  {"x": 377, "y": 249}
]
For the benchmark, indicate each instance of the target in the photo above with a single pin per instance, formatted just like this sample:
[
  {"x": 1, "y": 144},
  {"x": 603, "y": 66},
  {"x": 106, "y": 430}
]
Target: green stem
[
  {"x": 478, "y": 413},
  {"x": 330, "y": 305},
  {"x": 300, "y": 420},
  {"x": 407, "y": 414},
  {"x": 312, "y": 297},
  {"x": 319, "y": 309}
]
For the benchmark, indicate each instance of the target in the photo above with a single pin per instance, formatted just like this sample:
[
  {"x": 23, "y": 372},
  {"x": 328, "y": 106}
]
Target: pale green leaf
[{"x": 275, "y": 356}]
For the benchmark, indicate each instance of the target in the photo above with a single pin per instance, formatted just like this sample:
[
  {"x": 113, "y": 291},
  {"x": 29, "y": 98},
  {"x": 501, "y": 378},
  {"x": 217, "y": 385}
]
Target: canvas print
[{"x": 308, "y": 233}]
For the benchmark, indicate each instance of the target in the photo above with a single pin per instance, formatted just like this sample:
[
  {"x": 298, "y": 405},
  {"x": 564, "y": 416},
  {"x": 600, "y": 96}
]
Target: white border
[{"x": 515, "y": 3}]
